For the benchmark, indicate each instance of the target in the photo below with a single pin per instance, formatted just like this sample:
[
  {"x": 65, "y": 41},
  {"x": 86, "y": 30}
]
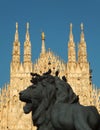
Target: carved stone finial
[
  {"x": 82, "y": 33},
  {"x": 27, "y": 32},
  {"x": 27, "y": 26},
  {"x": 16, "y": 26},
  {"x": 16, "y": 33},
  {"x": 82, "y": 27},
  {"x": 71, "y": 27},
  {"x": 71, "y": 33}
]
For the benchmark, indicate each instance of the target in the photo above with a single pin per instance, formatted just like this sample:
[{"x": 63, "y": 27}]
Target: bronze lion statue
[{"x": 55, "y": 106}]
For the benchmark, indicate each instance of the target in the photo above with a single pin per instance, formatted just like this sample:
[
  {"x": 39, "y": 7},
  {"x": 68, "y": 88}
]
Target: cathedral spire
[
  {"x": 16, "y": 47},
  {"x": 27, "y": 46},
  {"x": 27, "y": 32},
  {"x": 71, "y": 33},
  {"x": 16, "y": 33},
  {"x": 43, "y": 49},
  {"x": 82, "y": 38},
  {"x": 71, "y": 47},
  {"x": 82, "y": 49}
]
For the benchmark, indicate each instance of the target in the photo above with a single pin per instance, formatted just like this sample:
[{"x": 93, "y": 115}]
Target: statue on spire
[
  {"x": 43, "y": 49},
  {"x": 43, "y": 36}
]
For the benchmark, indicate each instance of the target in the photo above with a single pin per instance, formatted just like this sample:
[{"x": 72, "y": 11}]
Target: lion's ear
[
  {"x": 57, "y": 73},
  {"x": 64, "y": 78},
  {"x": 34, "y": 80}
]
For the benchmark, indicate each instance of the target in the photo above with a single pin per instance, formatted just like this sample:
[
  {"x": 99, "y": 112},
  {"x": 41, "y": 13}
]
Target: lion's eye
[{"x": 33, "y": 87}]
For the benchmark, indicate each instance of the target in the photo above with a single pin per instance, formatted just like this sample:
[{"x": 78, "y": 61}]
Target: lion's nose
[{"x": 20, "y": 93}]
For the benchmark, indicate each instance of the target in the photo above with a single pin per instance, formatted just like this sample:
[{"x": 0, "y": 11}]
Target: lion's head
[
  {"x": 32, "y": 97},
  {"x": 45, "y": 91}
]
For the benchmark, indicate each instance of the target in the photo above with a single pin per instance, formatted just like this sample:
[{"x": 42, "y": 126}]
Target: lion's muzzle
[{"x": 28, "y": 106}]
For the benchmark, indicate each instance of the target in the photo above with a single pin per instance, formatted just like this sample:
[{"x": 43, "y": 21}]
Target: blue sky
[{"x": 53, "y": 17}]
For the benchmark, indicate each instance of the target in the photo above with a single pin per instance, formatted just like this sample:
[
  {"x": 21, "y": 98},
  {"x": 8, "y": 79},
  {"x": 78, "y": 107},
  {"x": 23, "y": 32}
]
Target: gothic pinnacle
[
  {"x": 16, "y": 33},
  {"x": 71, "y": 47},
  {"x": 27, "y": 47},
  {"x": 71, "y": 34},
  {"x": 82, "y": 27},
  {"x": 82, "y": 39},
  {"x": 27, "y": 26},
  {"x": 71, "y": 28},
  {"x": 27, "y": 32},
  {"x": 16, "y": 26}
]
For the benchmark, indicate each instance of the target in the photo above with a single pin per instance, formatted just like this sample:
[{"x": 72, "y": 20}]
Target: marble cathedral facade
[{"x": 77, "y": 71}]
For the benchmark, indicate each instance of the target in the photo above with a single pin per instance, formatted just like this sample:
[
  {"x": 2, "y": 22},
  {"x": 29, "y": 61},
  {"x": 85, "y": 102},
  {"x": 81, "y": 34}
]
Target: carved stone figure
[{"x": 55, "y": 106}]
